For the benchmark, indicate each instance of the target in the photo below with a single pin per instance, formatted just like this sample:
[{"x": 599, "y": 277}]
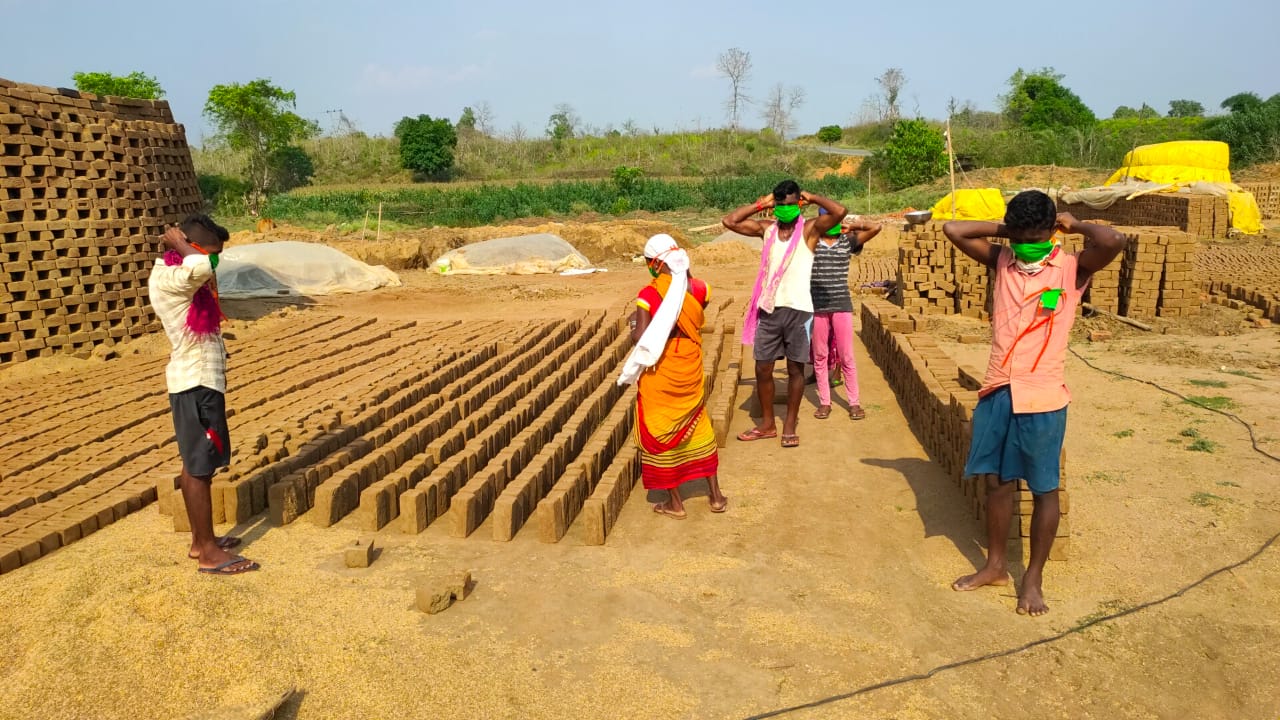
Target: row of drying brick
[
  {"x": 86, "y": 477},
  {"x": 938, "y": 398}
]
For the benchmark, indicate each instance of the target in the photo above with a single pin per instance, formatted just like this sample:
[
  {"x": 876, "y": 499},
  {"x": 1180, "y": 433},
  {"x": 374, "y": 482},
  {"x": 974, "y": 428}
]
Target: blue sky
[{"x": 649, "y": 62}]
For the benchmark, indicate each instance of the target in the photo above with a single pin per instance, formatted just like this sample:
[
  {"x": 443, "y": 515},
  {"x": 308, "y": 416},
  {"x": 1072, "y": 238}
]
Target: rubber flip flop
[
  {"x": 790, "y": 441},
  {"x": 823, "y": 412},
  {"x": 857, "y": 413},
  {"x": 227, "y": 569},
  {"x": 757, "y": 434},
  {"x": 723, "y": 507}
]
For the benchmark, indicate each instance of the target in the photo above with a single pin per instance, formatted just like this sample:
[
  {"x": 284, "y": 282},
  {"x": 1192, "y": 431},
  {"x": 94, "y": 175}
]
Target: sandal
[
  {"x": 721, "y": 508},
  {"x": 228, "y": 567},
  {"x": 790, "y": 441},
  {"x": 823, "y": 412},
  {"x": 857, "y": 413},
  {"x": 757, "y": 434}
]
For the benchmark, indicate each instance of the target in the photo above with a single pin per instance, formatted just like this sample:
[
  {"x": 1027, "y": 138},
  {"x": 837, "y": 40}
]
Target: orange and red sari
[{"x": 676, "y": 441}]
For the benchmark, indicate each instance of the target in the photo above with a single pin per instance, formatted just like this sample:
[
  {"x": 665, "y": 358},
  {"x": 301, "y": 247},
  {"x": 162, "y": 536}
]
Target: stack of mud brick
[
  {"x": 1204, "y": 216},
  {"x": 869, "y": 275},
  {"x": 86, "y": 187},
  {"x": 1268, "y": 197},
  {"x": 1104, "y": 289},
  {"x": 1157, "y": 274},
  {"x": 722, "y": 365},
  {"x": 926, "y": 271},
  {"x": 938, "y": 398}
]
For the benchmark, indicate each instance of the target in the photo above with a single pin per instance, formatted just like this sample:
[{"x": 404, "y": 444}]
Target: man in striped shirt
[{"x": 833, "y": 311}]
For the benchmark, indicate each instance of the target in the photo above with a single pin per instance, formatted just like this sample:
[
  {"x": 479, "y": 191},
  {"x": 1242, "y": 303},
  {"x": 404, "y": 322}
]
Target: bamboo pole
[
  {"x": 379, "y": 236},
  {"x": 365, "y": 226},
  {"x": 1113, "y": 316},
  {"x": 951, "y": 166}
]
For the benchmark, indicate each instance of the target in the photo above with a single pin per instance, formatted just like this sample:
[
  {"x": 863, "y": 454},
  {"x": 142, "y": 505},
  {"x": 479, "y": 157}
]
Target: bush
[
  {"x": 830, "y": 134},
  {"x": 915, "y": 154},
  {"x": 627, "y": 179},
  {"x": 223, "y": 195},
  {"x": 478, "y": 204},
  {"x": 291, "y": 168},
  {"x": 426, "y": 145},
  {"x": 1252, "y": 129}
]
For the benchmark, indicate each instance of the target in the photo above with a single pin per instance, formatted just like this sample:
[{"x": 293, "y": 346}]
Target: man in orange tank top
[{"x": 1021, "y": 416}]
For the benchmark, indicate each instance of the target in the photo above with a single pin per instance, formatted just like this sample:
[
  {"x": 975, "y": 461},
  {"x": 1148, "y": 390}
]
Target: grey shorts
[
  {"x": 200, "y": 425},
  {"x": 783, "y": 333}
]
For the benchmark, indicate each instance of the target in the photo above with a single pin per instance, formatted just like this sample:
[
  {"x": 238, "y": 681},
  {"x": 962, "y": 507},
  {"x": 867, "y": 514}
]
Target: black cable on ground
[
  {"x": 1066, "y": 633},
  {"x": 1253, "y": 439}
]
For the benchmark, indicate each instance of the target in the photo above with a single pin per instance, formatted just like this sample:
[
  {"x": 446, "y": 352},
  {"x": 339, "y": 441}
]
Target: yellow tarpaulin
[
  {"x": 1245, "y": 214},
  {"x": 1182, "y": 161},
  {"x": 1204, "y": 165},
  {"x": 981, "y": 204}
]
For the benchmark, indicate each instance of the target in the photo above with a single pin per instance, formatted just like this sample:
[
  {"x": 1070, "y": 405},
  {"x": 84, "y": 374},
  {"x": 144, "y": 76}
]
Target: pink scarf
[
  {"x": 205, "y": 314},
  {"x": 764, "y": 291}
]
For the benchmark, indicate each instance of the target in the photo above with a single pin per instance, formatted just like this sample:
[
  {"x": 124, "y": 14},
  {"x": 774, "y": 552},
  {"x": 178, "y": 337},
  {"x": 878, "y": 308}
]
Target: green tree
[
  {"x": 830, "y": 133},
  {"x": 427, "y": 145},
  {"x": 1185, "y": 108},
  {"x": 291, "y": 167},
  {"x": 467, "y": 123},
  {"x": 563, "y": 123},
  {"x": 1042, "y": 102},
  {"x": 916, "y": 153},
  {"x": 1252, "y": 129},
  {"x": 257, "y": 118},
  {"x": 1146, "y": 112},
  {"x": 133, "y": 85}
]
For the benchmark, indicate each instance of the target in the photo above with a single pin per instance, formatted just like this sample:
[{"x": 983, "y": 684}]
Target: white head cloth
[{"x": 651, "y": 344}]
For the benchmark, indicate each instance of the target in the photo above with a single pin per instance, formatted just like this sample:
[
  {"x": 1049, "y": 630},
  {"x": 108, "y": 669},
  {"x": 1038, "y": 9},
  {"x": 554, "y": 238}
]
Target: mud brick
[
  {"x": 10, "y": 559},
  {"x": 1099, "y": 335},
  {"x": 359, "y": 554}
]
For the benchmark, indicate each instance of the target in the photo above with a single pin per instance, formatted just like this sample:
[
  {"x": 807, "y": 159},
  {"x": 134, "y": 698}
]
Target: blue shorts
[{"x": 1016, "y": 446}]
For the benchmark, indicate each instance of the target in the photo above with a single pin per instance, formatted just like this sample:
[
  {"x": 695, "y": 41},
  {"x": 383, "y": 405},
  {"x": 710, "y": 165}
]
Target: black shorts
[
  {"x": 783, "y": 333},
  {"x": 200, "y": 425}
]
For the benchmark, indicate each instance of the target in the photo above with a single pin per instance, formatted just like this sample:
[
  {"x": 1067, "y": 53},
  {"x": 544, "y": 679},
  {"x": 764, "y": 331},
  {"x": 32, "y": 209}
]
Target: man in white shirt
[
  {"x": 781, "y": 306},
  {"x": 183, "y": 291}
]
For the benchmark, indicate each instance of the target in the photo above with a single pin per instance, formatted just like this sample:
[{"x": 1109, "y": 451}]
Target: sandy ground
[{"x": 829, "y": 574}]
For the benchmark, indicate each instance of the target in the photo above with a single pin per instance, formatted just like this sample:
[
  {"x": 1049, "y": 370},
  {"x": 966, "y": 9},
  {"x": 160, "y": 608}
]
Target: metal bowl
[{"x": 919, "y": 217}]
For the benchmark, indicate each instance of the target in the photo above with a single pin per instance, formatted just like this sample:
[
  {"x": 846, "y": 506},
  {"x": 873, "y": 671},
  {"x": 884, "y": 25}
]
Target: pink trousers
[{"x": 834, "y": 331}]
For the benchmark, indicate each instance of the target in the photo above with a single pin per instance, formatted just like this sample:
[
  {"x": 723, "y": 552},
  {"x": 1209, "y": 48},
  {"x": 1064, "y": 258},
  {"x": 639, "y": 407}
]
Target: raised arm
[
  {"x": 971, "y": 238},
  {"x": 863, "y": 231},
  {"x": 741, "y": 222},
  {"x": 1101, "y": 245},
  {"x": 822, "y": 223},
  {"x": 176, "y": 240}
]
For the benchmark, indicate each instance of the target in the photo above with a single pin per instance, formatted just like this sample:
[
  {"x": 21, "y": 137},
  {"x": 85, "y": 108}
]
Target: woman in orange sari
[{"x": 676, "y": 441}]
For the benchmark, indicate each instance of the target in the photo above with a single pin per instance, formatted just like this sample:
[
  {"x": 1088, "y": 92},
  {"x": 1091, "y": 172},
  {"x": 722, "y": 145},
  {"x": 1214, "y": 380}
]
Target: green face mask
[
  {"x": 653, "y": 271},
  {"x": 213, "y": 260},
  {"x": 834, "y": 231},
  {"x": 1029, "y": 252},
  {"x": 786, "y": 213}
]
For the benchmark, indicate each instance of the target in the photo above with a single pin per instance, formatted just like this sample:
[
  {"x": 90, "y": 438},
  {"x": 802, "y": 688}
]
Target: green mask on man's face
[
  {"x": 786, "y": 213},
  {"x": 1030, "y": 252},
  {"x": 213, "y": 260}
]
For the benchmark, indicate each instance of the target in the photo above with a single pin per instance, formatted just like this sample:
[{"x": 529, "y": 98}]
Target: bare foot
[
  {"x": 1031, "y": 599},
  {"x": 226, "y": 542},
  {"x": 671, "y": 512},
  {"x": 223, "y": 562},
  {"x": 985, "y": 576}
]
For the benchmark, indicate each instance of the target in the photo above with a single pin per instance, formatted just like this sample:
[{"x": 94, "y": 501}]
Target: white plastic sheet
[{"x": 296, "y": 268}]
